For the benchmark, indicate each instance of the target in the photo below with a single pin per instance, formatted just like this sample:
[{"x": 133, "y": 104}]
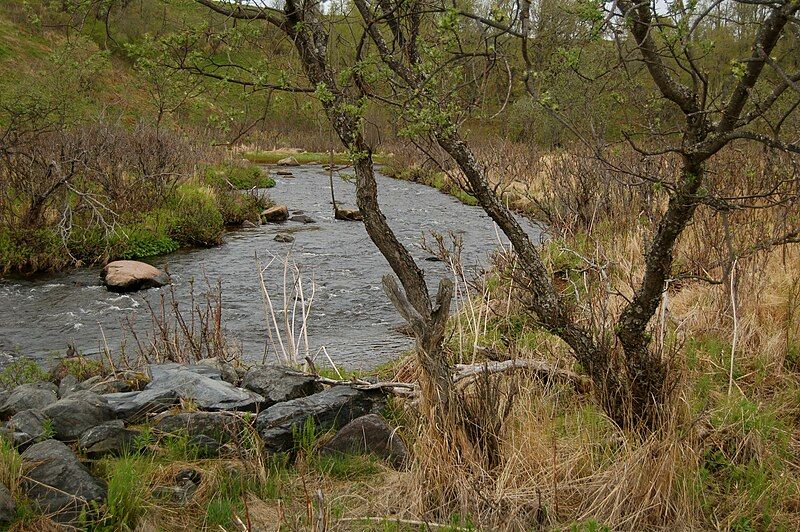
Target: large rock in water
[
  {"x": 288, "y": 161},
  {"x": 280, "y": 383},
  {"x": 132, "y": 275},
  {"x": 204, "y": 386},
  {"x": 77, "y": 413},
  {"x": 369, "y": 434},
  {"x": 331, "y": 408},
  {"x": 275, "y": 214},
  {"x": 29, "y": 397},
  {"x": 56, "y": 481}
]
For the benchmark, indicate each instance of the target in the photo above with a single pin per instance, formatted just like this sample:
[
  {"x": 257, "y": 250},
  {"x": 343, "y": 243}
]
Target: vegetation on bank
[
  {"x": 194, "y": 212},
  {"x": 432, "y": 178}
]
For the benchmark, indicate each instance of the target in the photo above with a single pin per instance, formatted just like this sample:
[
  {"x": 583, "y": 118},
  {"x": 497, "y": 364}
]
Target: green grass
[
  {"x": 21, "y": 370},
  {"x": 241, "y": 177}
]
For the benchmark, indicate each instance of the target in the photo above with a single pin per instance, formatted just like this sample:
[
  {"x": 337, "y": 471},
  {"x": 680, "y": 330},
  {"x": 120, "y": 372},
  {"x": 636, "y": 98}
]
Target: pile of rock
[{"x": 48, "y": 421}]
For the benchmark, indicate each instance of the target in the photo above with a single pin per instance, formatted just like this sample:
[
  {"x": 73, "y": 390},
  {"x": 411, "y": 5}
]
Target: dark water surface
[{"x": 351, "y": 316}]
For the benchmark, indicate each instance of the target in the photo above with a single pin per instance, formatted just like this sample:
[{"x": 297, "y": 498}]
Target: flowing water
[{"x": 350, "y": 315}]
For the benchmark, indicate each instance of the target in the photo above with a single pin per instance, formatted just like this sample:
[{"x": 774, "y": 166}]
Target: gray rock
[
  {"x": 332, "y": 408},
  {"x": 134, "y": 406},
  {"x": 208, "y": 392},
  {"x": 29, "y": 397},
  {"x": 27, "y": 427},
  {"x": 280, "y": 383},
  {"x": 180, "y": 493},
  {"x": 247, "y": 224},
  {"x": 110, "y": 437},
  {"x": 226, "y": 371},
  {"x": 76, "y": 413},
  {"x": 284, "y": 173},
  {"x": 283, "y": 238},
  {"x": 102, "y": 385},
  {"x": 369, "y": 434},
  {"x": 68, "y": 385},
  {"x": 56, "y": 481},
  {"x": 302, "y": 218},
  {"x": 352, "y": 215},
  {"x": 218, "y": 426},
  {"x": 132, "y": 275},
  {"x": 8, "y": 508},
  {"x": 4, "y": 395}
]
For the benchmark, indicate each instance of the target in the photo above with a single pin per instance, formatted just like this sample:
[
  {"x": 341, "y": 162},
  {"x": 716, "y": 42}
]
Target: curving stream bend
[{"x": 350, "y": 316}]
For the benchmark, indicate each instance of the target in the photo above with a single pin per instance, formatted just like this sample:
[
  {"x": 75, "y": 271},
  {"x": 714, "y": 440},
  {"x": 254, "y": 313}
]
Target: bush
[
  {"x": 237, "y": 207},
  {"x": 197, "y": 220}
]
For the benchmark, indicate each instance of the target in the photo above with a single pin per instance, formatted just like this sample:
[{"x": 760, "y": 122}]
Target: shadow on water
[{"x": 351, "y": 316}]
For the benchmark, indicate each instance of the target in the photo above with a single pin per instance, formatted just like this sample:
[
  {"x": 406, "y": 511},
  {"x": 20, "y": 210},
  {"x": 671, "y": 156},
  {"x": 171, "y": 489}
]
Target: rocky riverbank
[{"x": 61, "y": 436}]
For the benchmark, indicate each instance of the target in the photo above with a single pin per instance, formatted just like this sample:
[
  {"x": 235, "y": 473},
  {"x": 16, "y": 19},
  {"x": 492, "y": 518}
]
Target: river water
[{"x": 350, "y": 315}]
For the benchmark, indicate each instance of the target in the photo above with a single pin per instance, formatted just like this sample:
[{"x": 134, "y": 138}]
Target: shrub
[
  {"x": 237, "y": 207},
  {"x": 197, "y": 219}
]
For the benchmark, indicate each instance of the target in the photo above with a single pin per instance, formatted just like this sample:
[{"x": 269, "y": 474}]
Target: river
[{"x": 350, "y": 314}]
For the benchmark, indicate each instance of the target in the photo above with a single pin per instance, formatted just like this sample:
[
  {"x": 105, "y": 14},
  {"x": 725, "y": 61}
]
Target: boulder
[
  {"x": 56, "y": 481},
  {"x": 110, "y": 437},
  {"x": 284, "y": 173},
  {"x": 288, "y": 161},
  {"x": 208, "y": 431},
  {"x": 4, "y": 394},
  {"x": 277, "y": 384},
  {"x": 351, "y": 215},
  {"x": 204, "y": 386},
  {"x": 303, "y": 218},
  {"x": 76, "y": 413},
  {"x": 68, "y": 385},
  {"x": 283, "y": 238},
  {"x": 132, "y": 275},
  {"x": 29, "y": 397},
  {"x": 332, "y": 408},
  {"x": 275, "y": 214},
  {"x": 226, "y": 371},
  {"x": 247, "y": 224},
  {"x": 134, "y": 406},
  {"x": 27, "y": 427},
  {"x": 369, "y": 434},
  {"x": 8, "y": 508}
]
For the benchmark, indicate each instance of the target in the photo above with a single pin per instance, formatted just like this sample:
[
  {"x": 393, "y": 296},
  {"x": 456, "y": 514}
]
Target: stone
[
  {"x": 277, "y": 384},
  {"x": 180, "y": 494},
  {"x": 283, "y": 238},
  {"x": 110, "y": 437},
  {"x": 351, "y": 215},
  {"x": 284, "y": 173},
  {"x": 29, "y": 397},
  {"x": 4, "y": 394},
  {"x": 288, "y": 161},
  {"x": 220, "y": 427},
  {"x": 77, "y": 413},
  {"x": 27, "y": 427},
  {"x": 332, "y": 408},
  {"x": 203, "y": 385},
  {"x": 134, "y": 406},
  {"x": 132, "y": 275},
  {"x": 275, "y": 214},
  {"x": 247, "y": 224},
  {"x": 302, "y": 218},
  {"x": 57, "y": 482},
  {"x": 8, "y": 508},
  {"x": 68, "y": 385},
  {"x": 369, "y": 434},
  {"x": 226, "y": 371}
]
